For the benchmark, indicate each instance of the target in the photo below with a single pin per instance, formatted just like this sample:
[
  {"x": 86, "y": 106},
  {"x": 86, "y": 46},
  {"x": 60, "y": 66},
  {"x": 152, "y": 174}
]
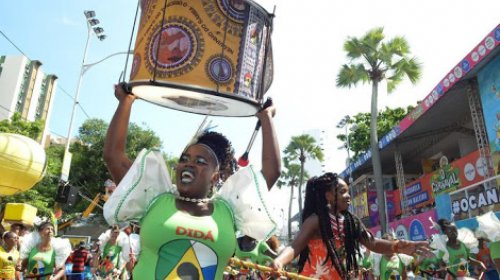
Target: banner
[
  {"x": 360, "y": 205},
  {"x": 417, "y": 194},
  {"x": 473, "y": 202},
  {"x": 459, "y": 174},
  {"x": 489, "y": 87},
  {"x": 417, "y": 227},
  {"x": 393, "y": 204}
]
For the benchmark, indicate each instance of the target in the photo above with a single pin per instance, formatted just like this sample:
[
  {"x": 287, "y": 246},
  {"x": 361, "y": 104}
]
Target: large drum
[{"x": 203, "y": 56}]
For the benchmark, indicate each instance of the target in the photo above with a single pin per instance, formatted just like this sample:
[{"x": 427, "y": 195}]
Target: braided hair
[{"x": 316, "y": 203}]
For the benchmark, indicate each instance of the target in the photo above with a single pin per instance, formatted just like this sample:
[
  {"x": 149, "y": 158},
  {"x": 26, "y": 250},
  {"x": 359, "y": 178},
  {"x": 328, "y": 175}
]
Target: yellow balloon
[{"x": 22, "y": 163}]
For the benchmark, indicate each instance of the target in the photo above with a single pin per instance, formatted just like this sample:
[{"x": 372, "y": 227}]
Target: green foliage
[
  {"x": 359, "y": 139},
  {"x": 88, "y": 170},
  {"x": 17, "y": 125},
  {"x": 301, "y": 148},
  {"x": 371, "y": 59}
]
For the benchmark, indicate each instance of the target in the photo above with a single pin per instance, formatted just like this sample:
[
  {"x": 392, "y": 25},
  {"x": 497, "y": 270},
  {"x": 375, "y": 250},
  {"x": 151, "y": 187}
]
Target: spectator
[
  {"x": 9, "y": 256},
  {"x": 79, "y": 258}
]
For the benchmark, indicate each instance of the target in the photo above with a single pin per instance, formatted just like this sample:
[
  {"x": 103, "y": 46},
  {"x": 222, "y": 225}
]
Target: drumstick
[
  {"x": 238, "y": 262},
  {"x": 243, "y": 160}
]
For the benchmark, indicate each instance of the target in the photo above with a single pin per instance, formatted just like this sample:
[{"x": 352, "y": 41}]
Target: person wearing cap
[
  {"x": 79, "y": 258},
  {"x": 185, "y": 232}
]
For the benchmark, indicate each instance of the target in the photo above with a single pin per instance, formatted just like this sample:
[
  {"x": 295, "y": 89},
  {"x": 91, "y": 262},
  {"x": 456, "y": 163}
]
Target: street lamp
[{"x": 92, "y": 27}]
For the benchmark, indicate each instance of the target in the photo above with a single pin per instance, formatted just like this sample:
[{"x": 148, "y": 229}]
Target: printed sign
[{"x": 417, "y": 227}]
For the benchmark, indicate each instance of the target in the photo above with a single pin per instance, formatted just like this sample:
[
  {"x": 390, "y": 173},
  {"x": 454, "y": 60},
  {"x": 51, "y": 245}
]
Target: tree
[
  {"x": 372, "y": 60},
  {"x": 290, "y": 177},
  {"x": 88, "y": 169},
  {"x": 41, "y": 195},
  {"x": 17, "y": 125},
  {"x": 359, "y": 139},
  {"x": 301, "y": 148}
]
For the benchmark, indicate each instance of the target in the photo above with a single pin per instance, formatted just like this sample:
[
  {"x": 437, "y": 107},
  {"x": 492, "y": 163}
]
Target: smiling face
[
  {"x": 341, "y": 198},
  {"x": 10, "y": 239},
  {"x": 196, "y": 172}
]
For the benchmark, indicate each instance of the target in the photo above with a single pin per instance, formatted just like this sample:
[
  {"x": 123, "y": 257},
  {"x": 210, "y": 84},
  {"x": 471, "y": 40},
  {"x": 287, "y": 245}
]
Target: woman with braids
[
  {"x": 185, "y": 233},
  {"x": 330, "y": 236}
]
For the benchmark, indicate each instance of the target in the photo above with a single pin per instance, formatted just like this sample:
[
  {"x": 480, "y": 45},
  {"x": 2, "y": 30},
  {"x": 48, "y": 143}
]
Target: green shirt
[
  {"x": 391, "y": 269},
  {"x": 176, "y": 245},
  {"x": 110, "y": 259},
  {"x": 41, "y": 263},
  {"x": 457, "y": 256}
]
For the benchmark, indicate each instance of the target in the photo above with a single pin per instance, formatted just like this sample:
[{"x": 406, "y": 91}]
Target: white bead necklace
[{"x": 195, "y": 200}]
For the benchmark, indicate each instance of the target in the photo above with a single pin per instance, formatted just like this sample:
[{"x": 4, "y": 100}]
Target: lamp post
[{"x": 92, "y": 27}]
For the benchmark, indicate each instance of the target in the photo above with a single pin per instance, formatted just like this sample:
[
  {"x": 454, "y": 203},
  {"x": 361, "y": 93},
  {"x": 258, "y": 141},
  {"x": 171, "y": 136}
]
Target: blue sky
[{"x": 307, "y": 44}]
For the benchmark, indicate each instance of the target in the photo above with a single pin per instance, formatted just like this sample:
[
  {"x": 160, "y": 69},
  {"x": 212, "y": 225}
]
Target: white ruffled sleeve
[
  {"x": 247, "y": 194},
  {"x": 61, "y": 246},
  {"x": 146, "y": 179}
]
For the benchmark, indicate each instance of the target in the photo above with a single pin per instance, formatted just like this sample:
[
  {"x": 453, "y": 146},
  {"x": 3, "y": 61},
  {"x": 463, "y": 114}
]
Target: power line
[
  {"x": 15, "y": 46},
  {"x": 58, "y": 86}
]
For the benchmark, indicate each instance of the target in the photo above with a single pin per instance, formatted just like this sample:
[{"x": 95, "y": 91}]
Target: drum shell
[{"x": 213, "y": 58}]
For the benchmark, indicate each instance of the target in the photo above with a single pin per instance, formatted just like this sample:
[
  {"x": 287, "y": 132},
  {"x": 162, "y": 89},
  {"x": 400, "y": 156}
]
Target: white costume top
[{"x": 245, "y": 192}]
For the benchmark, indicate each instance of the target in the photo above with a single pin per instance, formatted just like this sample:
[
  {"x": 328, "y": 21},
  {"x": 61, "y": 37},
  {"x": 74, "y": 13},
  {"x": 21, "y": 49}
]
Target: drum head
[{"x": 198, "y": 102}]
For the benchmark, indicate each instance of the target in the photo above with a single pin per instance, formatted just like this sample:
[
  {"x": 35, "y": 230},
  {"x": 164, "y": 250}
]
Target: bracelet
[{"x": 395, "y": 246}]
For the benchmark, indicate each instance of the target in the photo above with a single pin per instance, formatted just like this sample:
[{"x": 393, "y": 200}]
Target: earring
[
  {"x": 218, "y": 184},
  {"x": 328, "y": 205}
]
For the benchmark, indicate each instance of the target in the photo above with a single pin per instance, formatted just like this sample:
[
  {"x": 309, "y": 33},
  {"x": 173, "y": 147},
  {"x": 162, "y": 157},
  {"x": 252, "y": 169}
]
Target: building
[
  {"x": 443, "y": 159},
  {"x": 27, "y": 90}
]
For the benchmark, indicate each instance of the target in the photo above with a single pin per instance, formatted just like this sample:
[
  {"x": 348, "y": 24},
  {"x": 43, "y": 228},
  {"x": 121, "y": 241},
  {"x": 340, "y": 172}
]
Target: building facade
[{"x": 27, "y": 90}]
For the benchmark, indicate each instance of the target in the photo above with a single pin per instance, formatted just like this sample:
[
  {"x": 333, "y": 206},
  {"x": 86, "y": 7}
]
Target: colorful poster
[
  {"x": 489, "y": 88},
  {"x": 393, "y": 206},
  {"x": 373, "y": 207},
  {"x": 360, "y": 205},
  {"x": 417, "y": 194},
  {"x": 393, "y": 200},
  {"x": 417, "y": 227},
  {"x": 461, "y": 173}
]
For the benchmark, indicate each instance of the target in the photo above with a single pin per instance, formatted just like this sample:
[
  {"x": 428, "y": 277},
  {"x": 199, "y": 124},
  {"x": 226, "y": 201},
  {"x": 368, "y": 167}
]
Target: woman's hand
[
  {"x": 268, "y": 112},
  {"x": 121, "y": 94},
  {"x": 420, "y": 248}
]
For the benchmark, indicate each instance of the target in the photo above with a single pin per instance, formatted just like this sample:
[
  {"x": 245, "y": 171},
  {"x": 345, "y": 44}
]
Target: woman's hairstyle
[
  {"x": 7, "y": 234},
  {"x": 444, "y": 224},
  {"x": 220, "y": 145},
  {"x": 43, "y": 225},
  {"x": 114, "y": 228},
  {"x": 316, "y": 203}
]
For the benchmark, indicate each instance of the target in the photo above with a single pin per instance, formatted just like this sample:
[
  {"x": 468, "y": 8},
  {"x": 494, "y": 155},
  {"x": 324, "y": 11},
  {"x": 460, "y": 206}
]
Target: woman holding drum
[{"x": 184, "y": 232}]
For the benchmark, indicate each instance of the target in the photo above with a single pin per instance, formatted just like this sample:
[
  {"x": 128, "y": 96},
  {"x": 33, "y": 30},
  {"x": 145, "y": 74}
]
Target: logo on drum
[
  {"x": 248, "y": 79},
  {"x": 219, "y": 69},
  {"x": 174, "y": 49},
  {"x": 228, "y": 15},
  {"x": 235, "y": 9}
]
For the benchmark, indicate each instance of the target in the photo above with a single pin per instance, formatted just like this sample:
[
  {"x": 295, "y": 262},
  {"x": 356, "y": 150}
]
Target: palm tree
[
  {"x": 290, "y": 178},
  {"x": 303, "y": 147},
  {"x": 370, "y": 61}
]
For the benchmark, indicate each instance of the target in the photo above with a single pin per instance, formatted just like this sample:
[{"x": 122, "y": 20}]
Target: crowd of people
[{"x": 216, "y": 211}]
